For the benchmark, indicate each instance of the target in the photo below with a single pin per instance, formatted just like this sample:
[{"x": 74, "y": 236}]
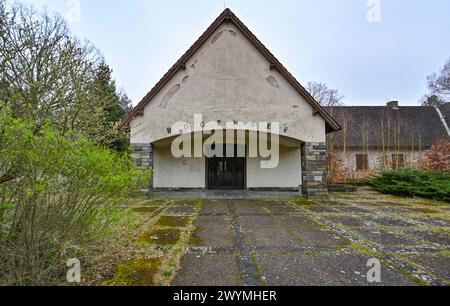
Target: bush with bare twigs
[
  {"x": 337, "y": 171},
  {"x": 437, "y": 158}
]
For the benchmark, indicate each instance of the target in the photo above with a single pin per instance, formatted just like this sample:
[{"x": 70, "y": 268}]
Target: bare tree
[
  {"x": 439, "y": 84},
  {"x": 432, "y": 100},
  {"x": 48, "y": 74},
  {"x": 324, "y": 95}
]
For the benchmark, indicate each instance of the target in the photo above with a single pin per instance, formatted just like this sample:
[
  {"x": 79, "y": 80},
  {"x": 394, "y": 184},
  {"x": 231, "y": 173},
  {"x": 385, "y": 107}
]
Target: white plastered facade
[{"x": 228, "y": 80}]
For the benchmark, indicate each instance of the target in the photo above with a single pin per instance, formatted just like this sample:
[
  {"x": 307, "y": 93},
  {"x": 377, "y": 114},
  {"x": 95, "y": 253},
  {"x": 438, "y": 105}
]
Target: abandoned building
[
  {"x": 387, "y": 137},
  {"x": 228, "y": 75}
]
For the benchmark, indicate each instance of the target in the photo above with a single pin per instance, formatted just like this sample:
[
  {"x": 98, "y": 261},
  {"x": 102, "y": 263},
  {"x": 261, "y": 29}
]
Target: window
[
  {"x": 398, "y": 161},
  {"x": 362, "y": 162}
]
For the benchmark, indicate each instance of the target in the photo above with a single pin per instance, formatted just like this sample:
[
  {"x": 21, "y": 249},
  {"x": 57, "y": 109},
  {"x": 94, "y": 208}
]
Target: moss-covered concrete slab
[
  {"x": 389, "y": 221},
  {"x": 384, "y": 238},
  {"x": 181, "y": 210},
  {"x": 297, "y": 221},
  {"x": 349, "y": 221},
  {"x": 145, "y": 209},
  {"x": 207, "y": 270},
  {"x": 136, "y": 272},
  {"x": 162, "y": 237},
  {"x": 278, "y": 207},
  {"x": 172, "y": 221},
  {"x": 211, "y": 221},
  {"x": 352, "y": 209},
  {"x": 320, "y": 238},
  {"x": 255, "y": 221},
  {"x": 430, "y": 236},
  {"x": 185, "y": 203},
  {"x": 438, "y": 264},
  {"x": 213, "y": 237},
  {"x": 321, "y": 209},
  {"x": 293, "y": 242},
  {"x": 251, "y": 208},
  {"x": 214, "y": 208},
  {"x": 352, "y": 270},
  {"x": 276, "y": 237},
  {"x": 296, "y": 269}
]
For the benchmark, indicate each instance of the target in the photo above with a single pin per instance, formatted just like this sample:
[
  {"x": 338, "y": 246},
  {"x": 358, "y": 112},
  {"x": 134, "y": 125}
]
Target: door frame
[{"x": 225, "y": 188}]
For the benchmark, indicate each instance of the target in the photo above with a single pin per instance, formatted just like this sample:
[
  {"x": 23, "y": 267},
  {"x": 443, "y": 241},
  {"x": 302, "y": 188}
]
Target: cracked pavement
[{"x": 313, "y": 243}]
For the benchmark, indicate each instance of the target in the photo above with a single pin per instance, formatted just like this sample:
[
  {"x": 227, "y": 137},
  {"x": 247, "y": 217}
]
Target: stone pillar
[
  {"x": 314, "y": 170},
  {"x": 142, "y": 155}
]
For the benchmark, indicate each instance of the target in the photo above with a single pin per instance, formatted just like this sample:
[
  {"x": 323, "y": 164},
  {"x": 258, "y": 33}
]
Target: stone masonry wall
[
  {"x": 142, "y": 155},
  {"x": 314, "y": 166}
]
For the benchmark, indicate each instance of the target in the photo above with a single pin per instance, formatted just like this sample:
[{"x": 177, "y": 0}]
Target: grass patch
[
  {"x": 136, "y": 272},
  {"x": 414, "y": 183},
  {"x": 195, "y": 240},
  {"x": 160, "y": 237},
  {"x": 172, "y": 221}
]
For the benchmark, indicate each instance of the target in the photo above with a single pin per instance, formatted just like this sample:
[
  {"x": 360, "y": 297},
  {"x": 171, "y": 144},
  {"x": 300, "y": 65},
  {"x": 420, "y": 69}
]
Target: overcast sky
[{"x": 322, "y": 40}]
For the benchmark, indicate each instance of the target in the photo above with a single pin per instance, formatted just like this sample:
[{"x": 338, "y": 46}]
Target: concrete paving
[
  {"x": 298, "y": 242},
  {"x": 224, "y": 194}
]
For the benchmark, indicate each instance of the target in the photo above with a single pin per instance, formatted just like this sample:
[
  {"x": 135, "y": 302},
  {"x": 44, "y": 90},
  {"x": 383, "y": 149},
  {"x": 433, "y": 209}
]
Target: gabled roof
[
  {"x": 229, "y": 16},
  {"x": 409, "y": 127}
]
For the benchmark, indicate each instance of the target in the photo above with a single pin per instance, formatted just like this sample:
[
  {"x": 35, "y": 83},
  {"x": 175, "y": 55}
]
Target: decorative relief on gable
[
  {"x": 272, "y": 81},
  {"x": 220, "y": 34},
  {"x": 233, "y": 33},
  {"x": 169, "y": 95},
  {"x": 216, "y": 37}
]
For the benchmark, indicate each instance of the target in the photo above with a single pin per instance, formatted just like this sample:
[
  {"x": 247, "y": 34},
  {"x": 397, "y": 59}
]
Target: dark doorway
[{"x": 226, "y": 172}]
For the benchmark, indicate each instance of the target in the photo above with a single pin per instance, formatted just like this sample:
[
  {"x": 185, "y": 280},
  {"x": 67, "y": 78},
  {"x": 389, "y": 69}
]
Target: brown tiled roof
[
  {"x": 229, "y": 16},
  {"x": 379, "y": 127}
]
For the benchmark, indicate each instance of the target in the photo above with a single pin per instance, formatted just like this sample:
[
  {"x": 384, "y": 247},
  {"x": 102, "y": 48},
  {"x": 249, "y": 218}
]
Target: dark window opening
[{"x": 362, "y": 162}]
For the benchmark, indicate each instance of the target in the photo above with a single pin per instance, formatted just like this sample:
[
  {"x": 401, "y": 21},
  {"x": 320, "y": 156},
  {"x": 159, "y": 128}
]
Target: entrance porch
[{"x": 300, "y": 169}]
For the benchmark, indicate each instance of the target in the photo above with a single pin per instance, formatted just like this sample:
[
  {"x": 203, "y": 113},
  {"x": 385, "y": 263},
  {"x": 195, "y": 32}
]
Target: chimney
[{"x": 393, "y": 105}]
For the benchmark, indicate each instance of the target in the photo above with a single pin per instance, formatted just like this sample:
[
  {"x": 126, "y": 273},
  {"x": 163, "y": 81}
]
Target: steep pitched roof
[
  {"x": 383, "y": 126},
  {"x": 229, "y": 16}
]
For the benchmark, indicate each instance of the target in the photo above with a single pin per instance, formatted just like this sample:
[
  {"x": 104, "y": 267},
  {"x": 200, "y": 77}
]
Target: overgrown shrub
[
  {"x": 337, "y": 171},
  {"x": 409, "y": 182},
  {"x": 55, "y": 193},
  {"x": 437, "y": 158}
]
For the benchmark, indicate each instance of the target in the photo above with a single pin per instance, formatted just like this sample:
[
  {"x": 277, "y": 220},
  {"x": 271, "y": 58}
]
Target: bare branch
[{"x": 324, "y": 95}]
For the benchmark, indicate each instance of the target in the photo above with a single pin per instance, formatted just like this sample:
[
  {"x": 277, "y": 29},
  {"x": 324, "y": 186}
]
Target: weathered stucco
[
  {"x": 190, "y": 173},
  {"x": 170, "y": 172},
  {"x": 287, "y": 175},
  {"x": 228, "y": 79},
  {"x": 376, "y": 158}
]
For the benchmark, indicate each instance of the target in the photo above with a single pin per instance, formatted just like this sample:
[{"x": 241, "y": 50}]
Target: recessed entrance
[{"x": 226, "y": 172}]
